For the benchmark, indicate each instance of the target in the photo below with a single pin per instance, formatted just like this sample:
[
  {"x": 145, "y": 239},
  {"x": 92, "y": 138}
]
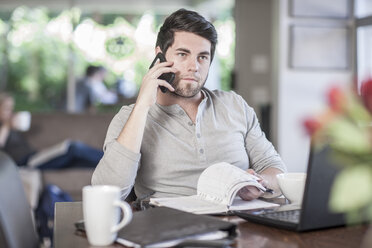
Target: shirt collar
[{"x": 175, "y": 108}]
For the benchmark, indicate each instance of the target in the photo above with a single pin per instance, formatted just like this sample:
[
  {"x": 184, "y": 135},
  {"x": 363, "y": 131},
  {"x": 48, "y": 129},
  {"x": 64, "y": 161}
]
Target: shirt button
[
  {"x": 201, "y": 151},
  {"x": 198, "y": 135},
  {"x": 180, "y": 112},
  {"x": 190, "y": 123}
]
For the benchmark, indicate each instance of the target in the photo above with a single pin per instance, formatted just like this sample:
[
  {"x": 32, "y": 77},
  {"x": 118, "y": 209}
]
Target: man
[
  {"x": 91, "y": 90},
  {"x": 163, "y": 142}
]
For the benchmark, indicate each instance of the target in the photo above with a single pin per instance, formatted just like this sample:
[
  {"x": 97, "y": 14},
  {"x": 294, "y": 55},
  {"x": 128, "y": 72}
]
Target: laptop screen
[{"x": 321, "y": 173}]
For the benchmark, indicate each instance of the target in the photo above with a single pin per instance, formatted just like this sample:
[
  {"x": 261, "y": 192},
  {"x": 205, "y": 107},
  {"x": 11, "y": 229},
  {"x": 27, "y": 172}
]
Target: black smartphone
[{"x": 169, "y": 77}]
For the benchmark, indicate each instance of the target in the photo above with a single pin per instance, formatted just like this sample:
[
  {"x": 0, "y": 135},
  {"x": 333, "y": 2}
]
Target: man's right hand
[
  {"x": 150, "y": 84},
  {"x": 132, "y": 133}
]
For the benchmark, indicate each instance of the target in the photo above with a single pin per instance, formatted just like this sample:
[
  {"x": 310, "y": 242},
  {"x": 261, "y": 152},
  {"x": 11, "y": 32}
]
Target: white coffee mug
[
  {"x": 101, "y": 209},
  {"x": 22, "y": 121},
  {"x": 292, "y": 185}
]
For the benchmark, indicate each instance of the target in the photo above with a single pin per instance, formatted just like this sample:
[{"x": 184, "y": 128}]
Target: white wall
[{"x": 300, "y": 93}]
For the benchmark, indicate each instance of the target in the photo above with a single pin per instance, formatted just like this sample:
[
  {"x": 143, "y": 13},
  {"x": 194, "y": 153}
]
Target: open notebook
[{"x": 216, "y": 192}]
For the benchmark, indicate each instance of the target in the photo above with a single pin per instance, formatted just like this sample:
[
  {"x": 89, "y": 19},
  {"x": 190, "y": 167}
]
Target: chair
[{"x": 17, "y": 229}]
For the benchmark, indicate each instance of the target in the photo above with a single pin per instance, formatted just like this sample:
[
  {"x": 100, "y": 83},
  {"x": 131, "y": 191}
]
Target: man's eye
[
  {"x": 203, "y": 57},
  {"x": 182, "y": 54}
]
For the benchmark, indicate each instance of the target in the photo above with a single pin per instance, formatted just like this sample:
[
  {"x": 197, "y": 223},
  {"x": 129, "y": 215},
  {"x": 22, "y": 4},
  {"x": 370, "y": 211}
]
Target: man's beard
[{"x": 188, "y": 91}]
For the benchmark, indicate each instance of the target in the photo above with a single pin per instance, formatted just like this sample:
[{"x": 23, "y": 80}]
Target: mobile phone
[{"x": 169, "y": 77}]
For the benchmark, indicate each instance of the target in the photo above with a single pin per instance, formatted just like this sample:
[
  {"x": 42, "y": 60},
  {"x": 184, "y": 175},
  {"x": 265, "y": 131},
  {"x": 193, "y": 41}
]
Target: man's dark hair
[{"x": 188, "y": 21}]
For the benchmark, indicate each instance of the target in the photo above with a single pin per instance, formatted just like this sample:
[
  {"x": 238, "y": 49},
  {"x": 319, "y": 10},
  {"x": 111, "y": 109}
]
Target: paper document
[{"x": 216, "y": 192}]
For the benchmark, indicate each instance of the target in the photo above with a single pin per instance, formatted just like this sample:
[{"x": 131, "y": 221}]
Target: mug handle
[{"x": 127, "y": 215}]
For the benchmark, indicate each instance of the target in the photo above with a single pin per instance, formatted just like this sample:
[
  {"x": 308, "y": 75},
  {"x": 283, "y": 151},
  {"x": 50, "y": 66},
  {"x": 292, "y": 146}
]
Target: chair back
[{"x": 17, "y": 229}]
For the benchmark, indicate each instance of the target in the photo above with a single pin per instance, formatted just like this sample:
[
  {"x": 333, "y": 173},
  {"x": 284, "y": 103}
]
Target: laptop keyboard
[{"x": 292, "y": 216}]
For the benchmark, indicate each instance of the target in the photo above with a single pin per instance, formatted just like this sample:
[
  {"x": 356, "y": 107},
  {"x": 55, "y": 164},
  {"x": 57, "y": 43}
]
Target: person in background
[
  {"x": 91, "y": 90},
  {"x": 17, "y": 147},
  {"x": 125, "y": 88},
  {"x": 163, "y": 142}
]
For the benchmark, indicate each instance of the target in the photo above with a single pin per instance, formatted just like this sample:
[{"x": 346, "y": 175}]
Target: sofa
[{"x": 51, "y": 128}]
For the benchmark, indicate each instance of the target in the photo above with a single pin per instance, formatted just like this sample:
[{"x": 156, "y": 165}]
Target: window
[
  {"x": 363, "y": 8},
  {"x": 363, "y": 26},
  {"x": 364, "y": 51}
]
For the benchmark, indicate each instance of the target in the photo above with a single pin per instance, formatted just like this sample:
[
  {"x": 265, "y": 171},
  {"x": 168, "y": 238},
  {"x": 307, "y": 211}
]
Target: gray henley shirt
[{"x": 175, "y": 150}]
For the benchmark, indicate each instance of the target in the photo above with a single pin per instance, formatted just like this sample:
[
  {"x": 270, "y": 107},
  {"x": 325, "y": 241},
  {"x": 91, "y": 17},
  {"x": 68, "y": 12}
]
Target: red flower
[
  {"x": 336, "y": 99},
  {"x": 311, "y": 126},
  {"x": 366, "y": 92}
]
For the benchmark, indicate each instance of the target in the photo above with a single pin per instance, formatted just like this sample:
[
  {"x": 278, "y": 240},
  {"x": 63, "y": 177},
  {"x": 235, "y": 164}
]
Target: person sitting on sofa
[
  {"x": 91, "y": 90},
  {"x": 64, "y": 155}
]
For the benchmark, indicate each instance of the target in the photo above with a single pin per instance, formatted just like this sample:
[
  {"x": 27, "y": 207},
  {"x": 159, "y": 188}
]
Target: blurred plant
[
  {"x": 37, "y": 60},
  {"x": 346, "y": 126},
  {"x": 225, "y": 48},
  {"x": 119, "y": 47}
]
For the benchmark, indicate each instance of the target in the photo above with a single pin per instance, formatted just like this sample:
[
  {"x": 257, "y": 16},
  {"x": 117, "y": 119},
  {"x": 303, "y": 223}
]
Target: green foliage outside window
[{"x": 34, "y": 60}]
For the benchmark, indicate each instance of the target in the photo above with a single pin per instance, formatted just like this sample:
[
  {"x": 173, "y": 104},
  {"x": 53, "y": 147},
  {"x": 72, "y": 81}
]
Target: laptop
[{"x": 314, "y": 212}]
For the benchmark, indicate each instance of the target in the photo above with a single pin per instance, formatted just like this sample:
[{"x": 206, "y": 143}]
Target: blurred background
[
  {"x": 280, "y": 55},
  {"x": 46, "y": 46}
]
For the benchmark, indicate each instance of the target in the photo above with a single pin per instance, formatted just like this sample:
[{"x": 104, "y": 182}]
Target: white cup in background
[
  {"x": 292, "y": 185},
  {"x": 22, "y": 121},
  {"x": 101, "y": 209}
]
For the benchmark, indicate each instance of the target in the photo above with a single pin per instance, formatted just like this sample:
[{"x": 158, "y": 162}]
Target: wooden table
[{"x": 249, "y": 234}]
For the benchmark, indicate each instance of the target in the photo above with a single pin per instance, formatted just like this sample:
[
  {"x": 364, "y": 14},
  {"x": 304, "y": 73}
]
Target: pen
[
  {"x": 267, "y": 190},
  {"x": 259, "y": 178}
]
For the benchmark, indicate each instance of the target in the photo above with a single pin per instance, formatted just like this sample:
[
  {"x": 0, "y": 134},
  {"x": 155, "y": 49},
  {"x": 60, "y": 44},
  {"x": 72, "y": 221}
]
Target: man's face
[{"x": 191, "y": 56}]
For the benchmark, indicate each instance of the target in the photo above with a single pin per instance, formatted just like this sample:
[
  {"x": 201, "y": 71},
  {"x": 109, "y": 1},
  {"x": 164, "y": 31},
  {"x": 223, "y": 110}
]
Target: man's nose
[{"x": 193, "y": 64}]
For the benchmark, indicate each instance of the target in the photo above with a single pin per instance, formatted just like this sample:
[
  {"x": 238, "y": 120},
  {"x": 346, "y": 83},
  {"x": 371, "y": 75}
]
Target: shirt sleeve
[
  {"x": 118, "y": 165},
  {"x": 261, "y": 152}
]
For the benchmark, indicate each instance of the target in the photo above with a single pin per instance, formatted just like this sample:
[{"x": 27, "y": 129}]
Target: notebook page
[
  {"x": 239, "y": 204},
  {"x": 192, "y": 204},
  {"x": 218, "y": 182}
]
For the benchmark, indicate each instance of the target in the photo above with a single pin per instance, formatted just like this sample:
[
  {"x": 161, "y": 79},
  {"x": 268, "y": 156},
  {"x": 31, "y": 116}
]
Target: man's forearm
[
  {"x": 132, "y": 134},
  {"x": 120, "y": 161},
  {"x": 117, "y": 167}
]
